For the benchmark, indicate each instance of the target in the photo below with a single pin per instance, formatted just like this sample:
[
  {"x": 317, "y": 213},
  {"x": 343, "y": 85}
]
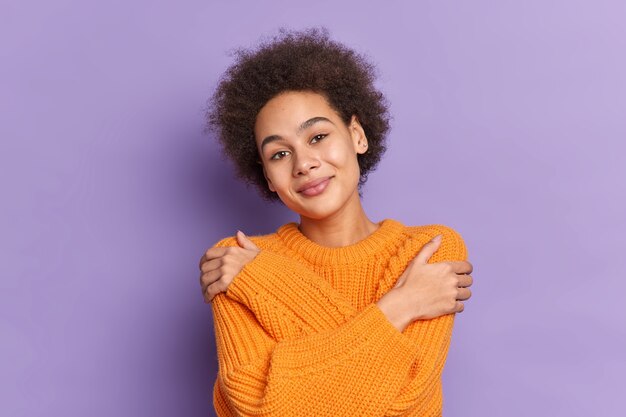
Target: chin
[
  {"x": 315, "y": 215},
  {"x": 318, "y": 210}
]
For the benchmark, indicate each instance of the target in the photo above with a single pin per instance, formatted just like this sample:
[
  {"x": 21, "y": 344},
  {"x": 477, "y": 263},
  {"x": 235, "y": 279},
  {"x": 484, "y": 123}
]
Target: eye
[
  {"x": 320, "y": 136},
  {"x": 279, "y": 155}
]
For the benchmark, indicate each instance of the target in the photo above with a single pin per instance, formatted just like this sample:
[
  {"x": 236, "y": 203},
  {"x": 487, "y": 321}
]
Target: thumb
[
  {"x": 427, "y": 250},
  {"x": 245, "y": 242}
]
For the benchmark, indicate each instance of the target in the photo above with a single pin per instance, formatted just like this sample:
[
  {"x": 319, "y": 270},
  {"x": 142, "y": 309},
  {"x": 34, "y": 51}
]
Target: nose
[{"x": 305, "y": 160}]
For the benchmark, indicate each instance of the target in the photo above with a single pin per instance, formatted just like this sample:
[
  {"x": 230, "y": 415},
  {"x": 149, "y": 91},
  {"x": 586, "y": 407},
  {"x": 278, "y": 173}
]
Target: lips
[{"x": 312, "y": 183}]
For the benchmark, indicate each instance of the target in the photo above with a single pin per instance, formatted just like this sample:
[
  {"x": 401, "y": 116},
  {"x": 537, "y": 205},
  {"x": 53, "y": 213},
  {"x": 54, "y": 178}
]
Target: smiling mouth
[{"x": 316, "y": 189}]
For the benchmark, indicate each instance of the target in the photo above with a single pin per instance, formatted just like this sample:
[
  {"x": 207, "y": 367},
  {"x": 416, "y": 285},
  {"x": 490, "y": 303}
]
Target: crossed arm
[{"x": 289, "y": 344}]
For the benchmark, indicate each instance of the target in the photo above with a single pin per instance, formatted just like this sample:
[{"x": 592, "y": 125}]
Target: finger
[
  {"x": 212, "y": 264},
  {"x": 428, "y": 249},
  {"x": 245, "y": 242},
  {"x": 215, "y": 252},
  {"x": 240, "y": 238},
  {"x": 461, "y": 267},
  {"x": 211, "y": 253},
  {"x": 214, "y": 289},
  {"x": 459, "y": 307},
  {"x": 209, "y": 278},
  {"x": 463, "y": 294},
  {"x": 202, "y": 260},
  {"x": 209, "y": 296},
  {"x": 465, "y": 280}
]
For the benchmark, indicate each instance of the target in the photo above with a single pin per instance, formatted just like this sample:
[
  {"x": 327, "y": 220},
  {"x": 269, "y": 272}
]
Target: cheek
[
  {"x": 345, "y": 158},
  {"x": 279, "y": 175},
  {"x": 339, "y": 155}
]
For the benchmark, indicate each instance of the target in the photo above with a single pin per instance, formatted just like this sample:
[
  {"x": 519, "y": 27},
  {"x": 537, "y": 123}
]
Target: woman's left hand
[{"x": 219, "y": 266}]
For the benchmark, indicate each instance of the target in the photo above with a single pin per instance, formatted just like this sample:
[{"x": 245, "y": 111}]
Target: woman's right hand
[
  {"x": 426, "y": 291},
  {"x": 219, "y": 265}
]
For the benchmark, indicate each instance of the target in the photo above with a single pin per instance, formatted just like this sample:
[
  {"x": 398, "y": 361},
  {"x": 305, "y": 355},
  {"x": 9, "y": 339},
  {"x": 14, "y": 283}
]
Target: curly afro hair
[{"x": 295, "y": 61}]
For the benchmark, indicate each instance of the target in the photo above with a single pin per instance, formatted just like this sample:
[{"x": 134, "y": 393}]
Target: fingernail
[{"x": 437, "y": 239}]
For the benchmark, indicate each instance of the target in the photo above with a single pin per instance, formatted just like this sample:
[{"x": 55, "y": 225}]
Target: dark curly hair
[{"x": 295, "y": 61}]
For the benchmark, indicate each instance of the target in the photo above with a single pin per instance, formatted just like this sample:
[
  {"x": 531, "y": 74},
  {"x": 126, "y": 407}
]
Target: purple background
[{"x": 509, "y": 125}]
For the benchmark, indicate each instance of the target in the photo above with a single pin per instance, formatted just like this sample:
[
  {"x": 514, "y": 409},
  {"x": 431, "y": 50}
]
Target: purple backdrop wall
[{"x": 508, "y": 126}]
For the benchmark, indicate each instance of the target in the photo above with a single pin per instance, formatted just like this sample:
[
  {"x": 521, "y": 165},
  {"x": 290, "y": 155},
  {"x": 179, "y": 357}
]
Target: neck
[{"x": 345, "y": 227}]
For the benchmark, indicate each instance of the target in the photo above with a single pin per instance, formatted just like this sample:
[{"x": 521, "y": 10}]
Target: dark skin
[
  {"x": 423, "y": 291},
  {"x": 331, "y": 213}
]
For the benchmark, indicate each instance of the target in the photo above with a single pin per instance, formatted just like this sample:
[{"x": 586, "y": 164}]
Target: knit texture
[{"x": 298, "y": 332}]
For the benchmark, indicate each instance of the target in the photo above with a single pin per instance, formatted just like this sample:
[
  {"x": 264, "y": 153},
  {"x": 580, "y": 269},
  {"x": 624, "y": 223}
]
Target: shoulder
[{"x": 452, "y": 244}]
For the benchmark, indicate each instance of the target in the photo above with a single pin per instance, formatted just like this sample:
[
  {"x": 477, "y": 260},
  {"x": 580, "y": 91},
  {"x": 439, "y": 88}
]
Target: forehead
[{"x": 285, "y": 112}]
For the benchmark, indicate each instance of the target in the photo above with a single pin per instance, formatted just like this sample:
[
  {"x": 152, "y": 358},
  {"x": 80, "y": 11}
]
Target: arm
[
  {"x": 356, "y": 368},
  {"x": 434, "y": 336},
  {"x": 308, "y": 303},
  {"x": 273, "y": 283},
  {"x": 304, "y": 323}
]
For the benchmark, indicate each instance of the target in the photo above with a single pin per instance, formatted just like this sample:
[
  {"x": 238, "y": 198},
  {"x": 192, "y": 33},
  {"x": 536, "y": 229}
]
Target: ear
[
  {"x": 269, "y": 182},
  {"x": 359, "y": 140}
]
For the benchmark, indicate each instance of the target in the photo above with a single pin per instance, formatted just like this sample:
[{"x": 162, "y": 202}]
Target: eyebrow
[{"x": 302, "y": 127}]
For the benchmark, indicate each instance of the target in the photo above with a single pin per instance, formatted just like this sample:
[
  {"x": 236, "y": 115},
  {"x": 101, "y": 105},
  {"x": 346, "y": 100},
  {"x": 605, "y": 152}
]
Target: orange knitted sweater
[{"x": 298, "y": 332}]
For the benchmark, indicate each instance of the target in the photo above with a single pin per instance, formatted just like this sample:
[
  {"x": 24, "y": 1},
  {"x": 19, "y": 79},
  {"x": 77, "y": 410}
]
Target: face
[{"x": 309, "y": 155}]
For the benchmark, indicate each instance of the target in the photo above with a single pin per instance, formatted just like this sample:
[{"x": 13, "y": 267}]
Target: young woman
[{"x": 337, "y": 315}]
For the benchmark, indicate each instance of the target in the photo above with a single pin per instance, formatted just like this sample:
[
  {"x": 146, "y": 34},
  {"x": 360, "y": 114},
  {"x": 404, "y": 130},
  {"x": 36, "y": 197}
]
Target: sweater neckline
[{"x": 387, "y": 234}]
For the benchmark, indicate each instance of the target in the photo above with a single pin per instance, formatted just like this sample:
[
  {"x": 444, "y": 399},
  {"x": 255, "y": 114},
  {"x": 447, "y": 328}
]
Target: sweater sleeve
[
  {"x": 354, "y": 369},
  {"x": 274, "y": 283},
  {"x": 288, "y": 342},
  {"x": 422, "y": 395}
]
